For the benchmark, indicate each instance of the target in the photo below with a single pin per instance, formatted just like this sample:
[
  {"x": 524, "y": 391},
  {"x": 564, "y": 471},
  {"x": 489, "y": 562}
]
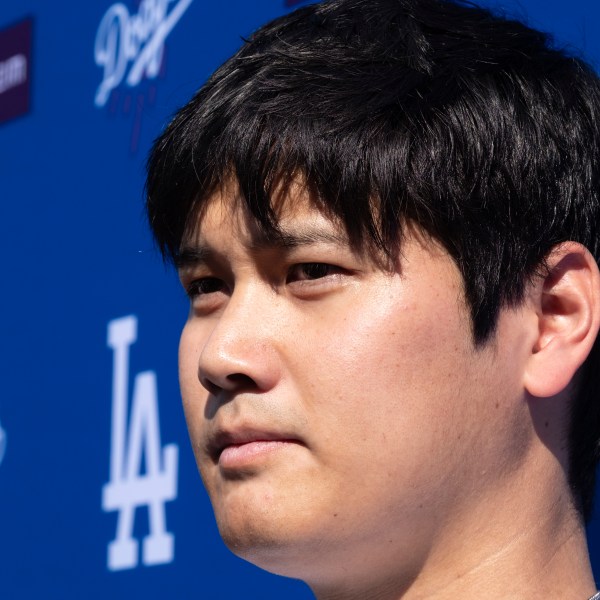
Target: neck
[{"x": 524, "y": 542}]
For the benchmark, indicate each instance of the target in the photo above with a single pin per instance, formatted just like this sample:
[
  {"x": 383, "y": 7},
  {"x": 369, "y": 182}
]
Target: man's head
[{"x": 403, "y": 176}]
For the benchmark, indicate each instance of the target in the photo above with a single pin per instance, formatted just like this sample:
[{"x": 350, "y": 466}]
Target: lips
[{"x": 246, "y": 443}]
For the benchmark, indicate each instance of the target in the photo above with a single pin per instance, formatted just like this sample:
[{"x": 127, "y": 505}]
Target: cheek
[
  {"x": 188, "y": 362},
  {"x": 388, "y": 352},
  {"x": 192, "y": 393},
  {"x": 194, "y": 398},
  {"x": 391, "y": 386}
]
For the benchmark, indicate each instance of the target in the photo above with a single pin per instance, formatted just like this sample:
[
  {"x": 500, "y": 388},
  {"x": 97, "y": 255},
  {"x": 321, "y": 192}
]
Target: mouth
[{"x": 230, "y": 449}]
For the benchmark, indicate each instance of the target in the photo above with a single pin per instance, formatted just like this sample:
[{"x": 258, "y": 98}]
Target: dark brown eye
[
  {"x": 315, "y": 270},
  {"x": 309, "y": 271},
  {"x": 206, "y": 285}
]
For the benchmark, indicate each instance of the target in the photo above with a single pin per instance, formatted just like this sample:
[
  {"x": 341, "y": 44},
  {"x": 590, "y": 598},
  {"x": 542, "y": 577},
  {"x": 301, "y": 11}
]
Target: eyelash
[
  {"x": 204, "y": 286},
  {"x": 311, "y": 271},
  {"x": 301, "y": 273}
]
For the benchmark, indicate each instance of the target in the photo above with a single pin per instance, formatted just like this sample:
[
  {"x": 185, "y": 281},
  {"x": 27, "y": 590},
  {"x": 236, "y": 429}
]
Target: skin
[{"x": 350, "y": 434}]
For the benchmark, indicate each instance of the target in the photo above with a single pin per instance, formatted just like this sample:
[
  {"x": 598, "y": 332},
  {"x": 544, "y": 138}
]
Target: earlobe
[{"x": 567, "y": 302}]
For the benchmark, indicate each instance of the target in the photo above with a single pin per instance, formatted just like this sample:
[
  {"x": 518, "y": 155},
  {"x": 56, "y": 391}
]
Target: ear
[{"x": 567, "y": 304}]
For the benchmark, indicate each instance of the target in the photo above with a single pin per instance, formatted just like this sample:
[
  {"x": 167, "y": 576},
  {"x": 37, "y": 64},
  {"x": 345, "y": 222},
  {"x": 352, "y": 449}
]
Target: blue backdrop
[{"x": 90, "y": 317}]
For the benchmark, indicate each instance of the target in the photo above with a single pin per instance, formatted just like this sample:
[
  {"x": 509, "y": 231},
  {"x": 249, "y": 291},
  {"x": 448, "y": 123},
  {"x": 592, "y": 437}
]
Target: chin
[
  {"x": 284, "y": 540},
  {"x": 271, "y": 520},
  {"x": 266, "y": 546}
]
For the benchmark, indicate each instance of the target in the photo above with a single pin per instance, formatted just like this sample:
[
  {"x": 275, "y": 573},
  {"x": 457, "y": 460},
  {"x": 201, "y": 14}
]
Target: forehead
[{"x": 298, "y": 219}]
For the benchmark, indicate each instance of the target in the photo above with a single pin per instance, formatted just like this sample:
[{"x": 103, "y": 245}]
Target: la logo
[{"x": 128, "y": 487}]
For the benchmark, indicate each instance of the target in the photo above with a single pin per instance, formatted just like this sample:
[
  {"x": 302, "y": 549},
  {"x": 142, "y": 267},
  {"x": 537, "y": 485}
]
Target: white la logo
[
  {"x": 140, "y": 39},
  {"x": 128, "y": 489}
]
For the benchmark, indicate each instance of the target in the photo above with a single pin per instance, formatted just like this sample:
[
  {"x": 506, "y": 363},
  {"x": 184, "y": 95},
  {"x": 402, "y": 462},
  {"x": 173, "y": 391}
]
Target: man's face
[{"x": 341, "y": 418}]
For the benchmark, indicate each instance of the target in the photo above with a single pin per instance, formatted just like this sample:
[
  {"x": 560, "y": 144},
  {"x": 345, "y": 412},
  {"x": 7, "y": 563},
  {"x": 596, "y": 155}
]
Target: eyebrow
[
  {"x": 297, "y": 238},
  {"x": 286, "y": 240},
  {"x": 188, "y": 256}
]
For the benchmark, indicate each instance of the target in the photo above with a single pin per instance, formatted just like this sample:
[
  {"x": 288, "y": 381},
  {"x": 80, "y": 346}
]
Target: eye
[
  {"x": 204, "y": 286},
  {"x": 311, "y": 271}
]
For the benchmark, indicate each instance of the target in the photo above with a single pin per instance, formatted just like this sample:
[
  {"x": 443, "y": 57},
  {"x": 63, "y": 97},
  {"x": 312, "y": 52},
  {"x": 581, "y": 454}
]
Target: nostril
[
  {"x": 239, "y": 380},
  {"x": 234, "y": 381}
]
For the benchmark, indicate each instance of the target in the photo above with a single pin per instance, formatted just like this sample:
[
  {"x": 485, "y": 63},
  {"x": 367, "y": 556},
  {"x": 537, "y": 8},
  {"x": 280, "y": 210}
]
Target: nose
[{"x": 240, "y": 352}]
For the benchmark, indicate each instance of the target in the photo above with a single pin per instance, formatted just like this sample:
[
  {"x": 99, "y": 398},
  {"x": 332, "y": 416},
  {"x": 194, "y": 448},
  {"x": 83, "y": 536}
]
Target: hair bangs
[{"x": 263, "y": 156}]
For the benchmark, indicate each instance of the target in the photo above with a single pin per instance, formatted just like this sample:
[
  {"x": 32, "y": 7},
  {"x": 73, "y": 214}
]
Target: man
[{"x": 385, "y": 214}]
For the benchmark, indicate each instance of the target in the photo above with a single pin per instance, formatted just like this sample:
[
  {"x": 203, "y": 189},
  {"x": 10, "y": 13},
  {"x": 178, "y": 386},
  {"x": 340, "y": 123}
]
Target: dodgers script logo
[
  {"x": 128, "y": 488},
  {"x": 129, "y": 47}
]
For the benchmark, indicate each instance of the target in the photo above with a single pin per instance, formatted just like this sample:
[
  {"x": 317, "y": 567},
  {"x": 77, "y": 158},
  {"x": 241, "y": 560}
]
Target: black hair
[{"x": 436, "y": 112}]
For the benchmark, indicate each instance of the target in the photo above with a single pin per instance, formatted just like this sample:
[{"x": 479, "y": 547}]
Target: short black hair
[{"x": 440, "y": 113}]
